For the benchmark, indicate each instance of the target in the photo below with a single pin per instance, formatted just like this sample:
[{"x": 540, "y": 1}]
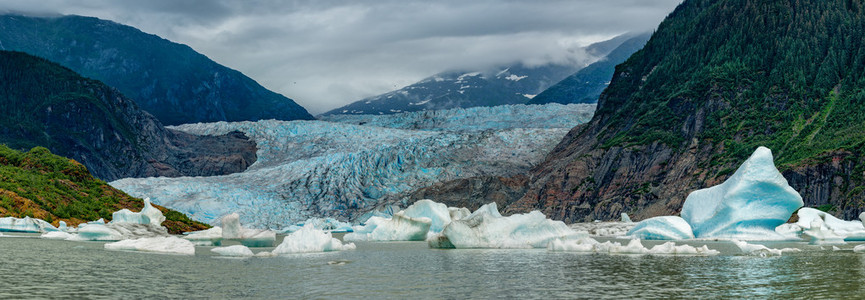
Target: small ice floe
[
  {"x": 169, "y": 245},
  {"x": 235, "y": 251},
  {"x": 589, "y": 245},
  {"x": 760, "y": 250}
]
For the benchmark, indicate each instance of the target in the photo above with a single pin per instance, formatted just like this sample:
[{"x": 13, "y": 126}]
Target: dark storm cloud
[{"x": 328, "y": 53}]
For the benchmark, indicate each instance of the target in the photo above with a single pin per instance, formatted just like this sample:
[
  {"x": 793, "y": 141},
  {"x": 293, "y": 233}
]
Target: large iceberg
[
  {"x": 117, "y": 231},
  {"x": 662, "y": 228},
  {"x": 26, "y": 224},
  {"x": 749, "y": 205},
  {"x": 309, "y": 169},
  {"x": 207, "y": 237},
  {"x": 148, "y": 215},
  {"x": 308, "y": 240},
  {"x": 486, "y": 228},
  {"x": 398, "y": 228},
  {"x": 168, "y": 244}
]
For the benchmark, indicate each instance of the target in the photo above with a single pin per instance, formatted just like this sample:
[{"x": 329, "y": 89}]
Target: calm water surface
[{"x": 36, "y": 268}]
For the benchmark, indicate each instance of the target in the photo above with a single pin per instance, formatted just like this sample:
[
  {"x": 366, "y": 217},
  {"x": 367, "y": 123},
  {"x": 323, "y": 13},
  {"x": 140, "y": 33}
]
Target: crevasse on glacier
[{"x": 324, "y": 169}]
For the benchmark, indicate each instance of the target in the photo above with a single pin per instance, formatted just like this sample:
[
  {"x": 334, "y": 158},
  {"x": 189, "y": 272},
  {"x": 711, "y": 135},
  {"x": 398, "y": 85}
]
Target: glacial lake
[{"x": 35, "y": 268}]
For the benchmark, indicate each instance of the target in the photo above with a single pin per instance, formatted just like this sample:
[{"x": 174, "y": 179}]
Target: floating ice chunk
[
  {"x": 326, "y": 224},
  {"x": 438, "y": 213},
  {"x": 458, "y": 213},
  {"x": 486, "y": 228},
  {"x": 851, "y": 230},
  {"x": 207, "y": 237},
  {"x": 790, "y": 231},
  {"x": 626, "y": 218},
  {"x": 662, "y": 228},
  {"x": 57, "y": 235},
  {"x": 236, "y": 250},
  {"x": 589, "y": 245},
  {"x": 169, "y": 244},
  {"x": 231, "y": 229},
  {"x": 820, "y": 234},
  {"x": 760, "y": 250},
  {"x": 859, "y": 248},
  {"x": 749, "y": 205},
  {"x": 148, "y": 215},
  {"x": 309, "y": 239},
  {"x": 398, "y": 228},
  {"x": 26, "y": 224},
  {"x": 603, "y": 228},
  {"x": 62, "y": 226},
  {"x": 118, "y": 231}
]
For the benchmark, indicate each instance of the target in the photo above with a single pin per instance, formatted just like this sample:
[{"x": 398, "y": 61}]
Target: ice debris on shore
[
  {"x": 589, "y": 245},
  {"x": 309, "y": 240},
  {"x": 748, "y": 206},
  {"x": 165, "y": 244}
]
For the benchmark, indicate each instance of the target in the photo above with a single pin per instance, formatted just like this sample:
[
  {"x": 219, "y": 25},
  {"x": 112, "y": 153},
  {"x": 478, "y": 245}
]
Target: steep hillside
[
  {"x": 53, "y": 188},
  {"x": 587, "y": 84},
  {"x": 322, "y": 169},
  {"x": 169, "y": 80},
  {"x": 47, "y": 105},
  {"x": 716, "y": 80},
  {"x": 512, "y": 84}
]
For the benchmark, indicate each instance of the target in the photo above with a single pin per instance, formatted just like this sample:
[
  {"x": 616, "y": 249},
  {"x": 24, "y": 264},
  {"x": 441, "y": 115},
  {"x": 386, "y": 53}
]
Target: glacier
[{"x": 308, "y": 169}]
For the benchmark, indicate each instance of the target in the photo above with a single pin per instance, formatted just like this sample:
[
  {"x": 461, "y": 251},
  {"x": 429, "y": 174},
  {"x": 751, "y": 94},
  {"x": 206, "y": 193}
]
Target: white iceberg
[
  {"x": 207, "y": 237},
  {"x": 26, "y": 224},
  {"x": 309, "y": 240},
  {"x": 589, "y": 245},
  {"x": 148, "y": 215},
  {"x": 761, "y": 250},
  {"x": 169, "y": 244},
  {"x": 850, "y": 230},
  {"x": 231, "y": 229},
  {"x": 236, "y": 250},
  {"x": 749, "y": 205},
  {"x": 57, "y": 235},
  {"x": 662, "y": 228},
  {"x": 486, "y": 228},
  {"x": 859, "y": 248},
  {"x": 611, "y": 229},
  {"x": 438, "y": 213},
  {"x": 326, "y": 224},
  {"x": 398, "y": 228},
  {"x": 820, "y": 234},
  {"x": 626, "y": 218}
]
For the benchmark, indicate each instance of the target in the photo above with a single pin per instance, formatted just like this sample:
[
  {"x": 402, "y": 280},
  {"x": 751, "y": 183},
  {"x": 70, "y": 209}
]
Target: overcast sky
[{"x": 324, "y": 54}]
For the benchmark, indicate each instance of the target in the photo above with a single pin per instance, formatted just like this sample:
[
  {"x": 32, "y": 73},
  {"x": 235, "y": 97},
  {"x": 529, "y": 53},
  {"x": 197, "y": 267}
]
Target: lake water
[{"x": 37, "y": 268}]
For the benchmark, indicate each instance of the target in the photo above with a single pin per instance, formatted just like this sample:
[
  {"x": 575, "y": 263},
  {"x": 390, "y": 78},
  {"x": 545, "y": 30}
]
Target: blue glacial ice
[
  {"x": 397, "y": 228},
  {"x": 749, "y": 205},
  {"x": 26, "y": 224},
  {"x": 662, "y": 228},
  {"x": 308, "y": 169},
  {"x": 148, "y": 215}
]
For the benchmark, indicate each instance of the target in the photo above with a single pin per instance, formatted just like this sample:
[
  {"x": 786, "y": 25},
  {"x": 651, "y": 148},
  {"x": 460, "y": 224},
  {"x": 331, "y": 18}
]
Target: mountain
[
  {"x": 169, "y": 80},
  {"x": 718, "y": 79},
  {"x": 513, "y": 84},
  {"x": 353, "y": 169},
  {"x": 586, "y": 85},
  {"x": 45, "y": 104},
  {"x": 53, "y": 188}
]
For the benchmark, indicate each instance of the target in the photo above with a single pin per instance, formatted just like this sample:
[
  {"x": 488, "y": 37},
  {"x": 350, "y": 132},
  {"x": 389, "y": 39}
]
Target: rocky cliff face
[
  {"x": 169, "y": 80},
  {"x": 51, "y": 106},
  {"x": 718, "y": 79}
]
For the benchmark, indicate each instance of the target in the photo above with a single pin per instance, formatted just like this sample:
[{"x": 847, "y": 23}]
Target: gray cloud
[{"x": 326, "y": 53}]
